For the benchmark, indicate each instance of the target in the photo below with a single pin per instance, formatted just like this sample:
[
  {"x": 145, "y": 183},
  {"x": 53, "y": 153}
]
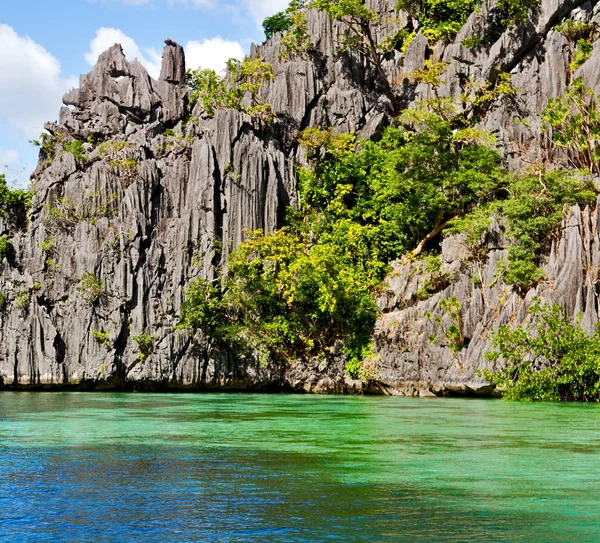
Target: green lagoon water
[{"x": 277, "y": 468}]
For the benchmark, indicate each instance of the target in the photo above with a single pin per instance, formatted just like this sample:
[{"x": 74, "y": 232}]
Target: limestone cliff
[{"x": 161, "y": 193}]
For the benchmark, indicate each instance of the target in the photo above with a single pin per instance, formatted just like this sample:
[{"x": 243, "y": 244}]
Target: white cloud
[
  {"x": 212, "y": 53},
  {"x": 107, "y": 37},
  {"x": 259, "y": 9},
  {"x": 32, "y": 85}
]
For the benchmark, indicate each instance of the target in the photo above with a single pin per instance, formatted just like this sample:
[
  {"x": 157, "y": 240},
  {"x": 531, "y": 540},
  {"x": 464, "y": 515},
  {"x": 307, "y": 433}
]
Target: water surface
[{"x": 255, "y": 468}]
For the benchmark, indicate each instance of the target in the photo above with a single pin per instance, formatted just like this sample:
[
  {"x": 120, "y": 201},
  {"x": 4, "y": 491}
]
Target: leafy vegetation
[
  {"x": 308, "y": 289},
  {"x": 76, "y": 148},
  {"x": 145, "y": 344},
  {"x": 6, "y": 247},
  {"x": 279, "y": 22},
  {"x": 244, "y": 78},
  {"x": 102, "y": 337},
  {"x": 532, "y": 207},
  {"x": 22, "y": 300},
  {"x": 48, "y": 245},
  {"x": 463, "y": 114},
  {"x": 111, "y": 149},
  {"x": 48, "y": 147},
  {"x": 63, "y": 213},
  {"x": 91, "y": 289},
  {"x": 453, "y": 333},
  {"x": 433, "y": 278},
  {"x": 533, "y": 204},
  {"x": 439, "y": 19},
  {"x": 295, "y": 41},
  {"x": 13, "y": 200},
  {"x": 574, "y": 120},
  {"x": 298, "y": 292},
  {"x": 127, "y": 167},
  {"x": 405, "y": 188},
  {"x": 292, "y": 24},
  {"x": 286, "y": 297},
  {"x": 550, "y": 360},
  {"x": 580, "y": 36},
  {"x": 514, "y": 12}
]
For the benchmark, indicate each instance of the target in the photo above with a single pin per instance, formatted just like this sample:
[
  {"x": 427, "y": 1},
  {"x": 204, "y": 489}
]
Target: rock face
[
  {"x": 410, "y": 363},
  {"x": 160, "y": 194}
]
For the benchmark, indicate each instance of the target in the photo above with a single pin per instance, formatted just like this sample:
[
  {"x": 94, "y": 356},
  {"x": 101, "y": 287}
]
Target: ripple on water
[{"x": 254, "y": 468}]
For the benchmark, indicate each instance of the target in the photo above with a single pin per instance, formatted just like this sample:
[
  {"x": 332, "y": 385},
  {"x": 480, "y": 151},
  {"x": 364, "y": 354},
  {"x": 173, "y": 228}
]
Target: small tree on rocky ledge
[
  {"x": 245, "y": 79},
  {"x": 574, "y": 120}
]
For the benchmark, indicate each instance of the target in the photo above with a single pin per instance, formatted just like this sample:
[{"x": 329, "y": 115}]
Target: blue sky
[{"x": 45, "y": 46}]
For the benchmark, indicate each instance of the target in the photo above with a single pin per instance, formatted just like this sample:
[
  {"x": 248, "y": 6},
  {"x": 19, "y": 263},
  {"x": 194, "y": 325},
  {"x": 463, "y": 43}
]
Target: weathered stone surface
[
  {"x": 409, "y": 361},
  {"x": 164, "y": 186}
]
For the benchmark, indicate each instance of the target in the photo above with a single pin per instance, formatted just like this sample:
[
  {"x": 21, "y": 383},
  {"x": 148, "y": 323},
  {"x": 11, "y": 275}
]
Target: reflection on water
[{"x": 253, "y": 468}]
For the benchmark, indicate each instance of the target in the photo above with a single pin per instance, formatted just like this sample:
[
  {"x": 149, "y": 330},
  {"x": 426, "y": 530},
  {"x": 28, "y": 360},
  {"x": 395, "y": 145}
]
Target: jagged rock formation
[{"x": 164, "y": 193}]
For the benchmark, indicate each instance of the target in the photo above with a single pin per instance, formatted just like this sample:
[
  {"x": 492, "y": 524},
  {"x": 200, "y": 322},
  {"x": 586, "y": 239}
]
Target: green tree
[
  {"x": 514, "y": 12},
  {"x": 91, "y": 288},
  {"x": 13, "y": 200},
  {"x": 203, "y": 309},
  {"x": 292, "y": 23},
  {"x": 285, "y": 297},
  {"x": 550, "y": 360},
  {"x": 580, "y": 36},
  {"x": 439, "y": 19},
  {"x": 279, "y": 22},
  {"x": 534, "y": 211},
  {"x": 574, "y": 121},
  {"x": 6, "y": 247},
  {"x": 407, "y": 187},
  {"x": 475, "y": 99},
  {"x": 244, "y": 79},
  {"x": 295, "y": 40},
  {"x": 208, "y": 87},
  {"x": 145, "y": 343},
  {"x": 532, "y": 206}
]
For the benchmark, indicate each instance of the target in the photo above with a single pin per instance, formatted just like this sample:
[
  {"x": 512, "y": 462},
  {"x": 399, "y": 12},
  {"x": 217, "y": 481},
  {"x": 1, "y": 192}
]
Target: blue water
[{"x": 257, "y": 468}]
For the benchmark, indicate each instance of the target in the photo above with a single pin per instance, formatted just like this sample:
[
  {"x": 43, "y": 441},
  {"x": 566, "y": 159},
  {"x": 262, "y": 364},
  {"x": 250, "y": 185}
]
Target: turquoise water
[{"x": 257, "y": 468}]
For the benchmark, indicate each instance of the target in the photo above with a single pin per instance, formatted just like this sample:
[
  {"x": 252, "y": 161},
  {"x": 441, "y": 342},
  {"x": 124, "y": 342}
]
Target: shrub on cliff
[
  {"x": 279, "y": 22},
  {"x": 6, "y": 248},
  {"x": 532, "y": 206},
  {"x": 406, "y": 187},
  {"x": 440, "y": 19},
  {"x": 285, "y": 297},
  {"x": 13, "y": 201},
  {"x": 574, "y": 123},
  {"x": 550, "y": 360},
  {"x": 245, "y": 79}
]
